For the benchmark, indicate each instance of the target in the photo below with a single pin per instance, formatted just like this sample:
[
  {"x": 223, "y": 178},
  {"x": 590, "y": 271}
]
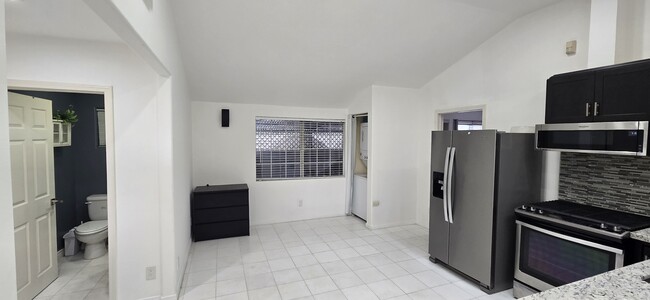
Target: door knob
[{"x": 55, "y": 201}]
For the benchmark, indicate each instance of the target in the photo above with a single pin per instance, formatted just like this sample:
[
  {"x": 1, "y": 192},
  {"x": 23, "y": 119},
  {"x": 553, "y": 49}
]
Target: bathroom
[{"x": 80, "y": 180}]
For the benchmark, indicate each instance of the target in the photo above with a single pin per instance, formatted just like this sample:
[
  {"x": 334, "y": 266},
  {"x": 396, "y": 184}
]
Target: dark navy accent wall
[{"x": 80, "y": 169}]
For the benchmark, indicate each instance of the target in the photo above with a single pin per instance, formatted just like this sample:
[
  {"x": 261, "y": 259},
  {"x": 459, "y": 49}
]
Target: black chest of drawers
[{"x": 220, "y": 211}]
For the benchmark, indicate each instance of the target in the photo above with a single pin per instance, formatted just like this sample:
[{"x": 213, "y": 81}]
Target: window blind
[{"x": 291, "y": 149}]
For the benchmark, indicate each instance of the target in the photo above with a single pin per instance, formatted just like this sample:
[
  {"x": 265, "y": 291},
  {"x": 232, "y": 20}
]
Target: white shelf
[{"x": 62, "y": 133}]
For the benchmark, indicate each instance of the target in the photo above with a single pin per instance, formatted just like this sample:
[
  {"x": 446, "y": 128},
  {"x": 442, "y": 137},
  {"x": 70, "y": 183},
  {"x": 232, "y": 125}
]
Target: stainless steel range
[{"x": 559, "y": 242}]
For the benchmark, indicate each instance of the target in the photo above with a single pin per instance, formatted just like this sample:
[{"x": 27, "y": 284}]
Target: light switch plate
[
  {"x": 151, "y": 273},
  {"x": 571, "y": 47}
]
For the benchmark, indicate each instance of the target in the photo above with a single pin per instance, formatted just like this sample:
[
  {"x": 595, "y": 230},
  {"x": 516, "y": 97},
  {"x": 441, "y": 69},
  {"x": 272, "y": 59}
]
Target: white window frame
[{"x": 302, "y": 158}]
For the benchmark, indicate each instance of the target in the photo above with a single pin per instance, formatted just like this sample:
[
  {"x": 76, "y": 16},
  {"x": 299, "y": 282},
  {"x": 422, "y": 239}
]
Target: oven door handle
[
  {"x": 573, "y": 239},
  {"x": 618, "y": 236}
]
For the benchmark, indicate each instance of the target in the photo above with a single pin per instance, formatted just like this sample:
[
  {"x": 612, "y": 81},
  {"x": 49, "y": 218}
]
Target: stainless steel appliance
[
  {"x": 619, "y": 138},
  {"x": 478, "y": 178},
  {"x": 559, "y": 242}
]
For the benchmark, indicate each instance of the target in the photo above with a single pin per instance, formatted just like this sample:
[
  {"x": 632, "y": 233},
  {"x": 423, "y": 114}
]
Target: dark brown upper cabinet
[{"x": 613, "y": 93}]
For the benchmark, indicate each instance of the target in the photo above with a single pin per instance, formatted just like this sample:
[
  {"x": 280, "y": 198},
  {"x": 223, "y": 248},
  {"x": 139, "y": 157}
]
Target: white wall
[
  {"x": 393, "y": 164},
  {"x": 135, "y": 87},
  {"x": 508, "y": 74},
  {"x": 394, "y": 121},
  {"x": 602, "y": 33},
  {"x": 629, "y": 30},
  {"x": 7, "y": 248},
  {"x": 645, "y": 52},
  {"x": 149, "y": 29},
  {"x": 632, "y": 30},
  {"x": 362, "y": 102},
  {"x": 227, "y": 156}
]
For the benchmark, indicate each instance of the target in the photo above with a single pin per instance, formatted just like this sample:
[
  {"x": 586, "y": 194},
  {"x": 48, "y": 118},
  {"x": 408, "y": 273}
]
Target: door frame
[
  {"x": 107, "y": 91},
  {"x": 482, "y": 108},
  {"x": 351, "y": 155}
]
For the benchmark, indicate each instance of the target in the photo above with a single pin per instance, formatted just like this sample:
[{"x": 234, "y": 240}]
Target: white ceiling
[
  {"x": 320, "y": 53},
  {"x": 314, "y": 53},
  {"x": 71, "y": 19}
]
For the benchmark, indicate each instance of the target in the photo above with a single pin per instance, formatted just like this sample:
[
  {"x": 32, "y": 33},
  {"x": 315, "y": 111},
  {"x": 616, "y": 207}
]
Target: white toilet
[{"x": 95, "y": 232}]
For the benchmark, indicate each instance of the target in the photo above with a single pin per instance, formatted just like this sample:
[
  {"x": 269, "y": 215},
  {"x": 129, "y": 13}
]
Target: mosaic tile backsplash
[{"x": 615, "y": 182}]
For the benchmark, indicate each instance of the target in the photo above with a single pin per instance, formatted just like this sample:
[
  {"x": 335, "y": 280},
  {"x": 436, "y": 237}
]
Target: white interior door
[{"x": 32, "y": 177}]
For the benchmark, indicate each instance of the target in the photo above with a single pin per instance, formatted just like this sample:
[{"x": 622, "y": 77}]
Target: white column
[
  {"x": 602, "y": 33},
  {"x": 550, "y": 175},
  {"x": 646, "y": 30},
  {"x": 7, "y": 247}
]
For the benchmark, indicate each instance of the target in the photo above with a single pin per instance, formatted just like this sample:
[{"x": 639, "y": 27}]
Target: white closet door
[
  {"x": 360, "y": 197},
  {"x": 32, "y": 176}
]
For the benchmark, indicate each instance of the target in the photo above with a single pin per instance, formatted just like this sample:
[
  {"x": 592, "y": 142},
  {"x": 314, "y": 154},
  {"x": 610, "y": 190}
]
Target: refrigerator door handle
[
  {"x": 444, "y": 185},
  {"x": 452, "y": 161}
]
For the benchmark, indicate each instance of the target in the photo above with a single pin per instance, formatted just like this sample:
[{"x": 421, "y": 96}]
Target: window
[
  {"x": 293, "y": 149},
  {"x": 101, "y": 127},
  {"x": 469, "y": 125},
  {"x": 462, "y": 120}
]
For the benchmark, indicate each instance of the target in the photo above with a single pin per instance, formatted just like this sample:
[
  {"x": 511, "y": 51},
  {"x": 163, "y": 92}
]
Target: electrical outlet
[
  {"x": 300, "y": 203},
  {"x": 151, "y": 273}
]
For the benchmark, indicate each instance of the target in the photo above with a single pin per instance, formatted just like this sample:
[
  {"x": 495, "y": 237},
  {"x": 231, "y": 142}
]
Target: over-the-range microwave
[{"x": 618, "y": 138}]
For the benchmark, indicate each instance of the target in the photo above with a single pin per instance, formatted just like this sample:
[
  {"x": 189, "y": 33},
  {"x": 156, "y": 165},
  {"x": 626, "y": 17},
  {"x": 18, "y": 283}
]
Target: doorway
[
  {"x": 461, "y": 120},
  {"x": 59, "y": 140},
  {"x": 359, "y": 166}
]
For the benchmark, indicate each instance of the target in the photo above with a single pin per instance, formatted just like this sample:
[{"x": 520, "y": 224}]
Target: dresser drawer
[
  {"x": 222, "y": 199},
  {"x": 220, "y": 230},
  {"x": 222, "y": 214}
]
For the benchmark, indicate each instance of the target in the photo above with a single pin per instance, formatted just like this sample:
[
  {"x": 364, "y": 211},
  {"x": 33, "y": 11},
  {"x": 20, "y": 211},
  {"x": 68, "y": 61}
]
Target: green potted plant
[{"x": 67, "y": 116}]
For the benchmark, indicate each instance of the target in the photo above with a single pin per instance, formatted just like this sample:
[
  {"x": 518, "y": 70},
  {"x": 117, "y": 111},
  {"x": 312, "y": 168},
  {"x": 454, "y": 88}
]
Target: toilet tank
[{"x": 97, "y": 207}]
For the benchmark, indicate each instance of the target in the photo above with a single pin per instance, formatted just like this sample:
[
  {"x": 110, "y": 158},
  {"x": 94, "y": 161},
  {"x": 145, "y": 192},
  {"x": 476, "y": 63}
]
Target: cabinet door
[
  {"x": 623, "y": 93},
  {"x": 570, "y": 97},
  {"x": 56, "y": 133}
]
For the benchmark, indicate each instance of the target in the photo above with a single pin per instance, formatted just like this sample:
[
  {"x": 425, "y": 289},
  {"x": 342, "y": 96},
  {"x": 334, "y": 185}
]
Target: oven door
[{"x": 546, "y": 259}]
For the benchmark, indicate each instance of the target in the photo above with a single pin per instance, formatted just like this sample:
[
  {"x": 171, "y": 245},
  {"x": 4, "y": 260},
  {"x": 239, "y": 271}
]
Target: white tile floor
[
  {"x": 333, "y": 258},
  {"x": 79, "y": 279}
]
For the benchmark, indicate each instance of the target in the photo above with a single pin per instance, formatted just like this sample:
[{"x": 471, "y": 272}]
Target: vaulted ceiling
[
  {"x": 71, "y": 19},
  {"x": 320, "y": 53},
  {"x": 313, "y": 53}
]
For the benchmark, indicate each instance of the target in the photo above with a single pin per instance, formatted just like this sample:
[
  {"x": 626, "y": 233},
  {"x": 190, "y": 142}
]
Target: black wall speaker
[{"x": 225, "y": 118}]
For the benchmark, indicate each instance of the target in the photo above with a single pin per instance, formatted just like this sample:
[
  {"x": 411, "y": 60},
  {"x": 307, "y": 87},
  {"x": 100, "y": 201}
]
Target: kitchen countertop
[
  {"x": 623, "y": 283},
  {"x": 641, "y": 235}
]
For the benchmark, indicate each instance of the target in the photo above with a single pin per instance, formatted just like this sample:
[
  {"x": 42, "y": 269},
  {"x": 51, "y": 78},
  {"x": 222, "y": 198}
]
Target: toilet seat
[{"x": 92, "y": 227}]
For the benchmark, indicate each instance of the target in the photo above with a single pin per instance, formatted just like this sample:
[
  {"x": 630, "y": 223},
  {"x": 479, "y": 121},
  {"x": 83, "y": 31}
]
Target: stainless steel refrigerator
[{"x": 478, "y": 178}]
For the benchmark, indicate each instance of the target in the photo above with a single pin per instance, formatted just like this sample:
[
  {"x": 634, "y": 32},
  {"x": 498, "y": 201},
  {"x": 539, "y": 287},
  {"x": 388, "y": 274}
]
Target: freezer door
[
  {"x": 472, "y": 203},
  {"x": 438, "y": 227}
]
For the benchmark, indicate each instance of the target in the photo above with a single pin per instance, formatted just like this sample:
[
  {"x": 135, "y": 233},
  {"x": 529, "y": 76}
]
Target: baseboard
[
  {"x": 168, "y": 297},
  {"x": 271, "y": 222},
  {"x": 380, "y": 226},
  {"x": 59, "y": 254},
  {"x": 181, "y": 278}
]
